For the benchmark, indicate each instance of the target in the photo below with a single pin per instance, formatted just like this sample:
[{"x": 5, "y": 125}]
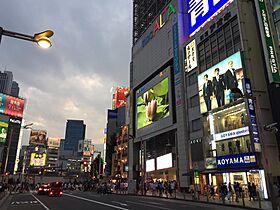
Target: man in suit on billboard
[
  {"x": 231, "y": 81},
  {"x": 207, "y": 92},
  {"x": 219, "y": 87}
]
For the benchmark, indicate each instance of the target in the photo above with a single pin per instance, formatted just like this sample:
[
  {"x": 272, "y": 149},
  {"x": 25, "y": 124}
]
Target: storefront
[{"x": 243, "y": 178}]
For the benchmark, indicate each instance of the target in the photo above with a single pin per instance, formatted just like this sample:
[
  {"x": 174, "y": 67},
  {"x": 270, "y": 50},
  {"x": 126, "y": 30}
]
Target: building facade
[{"x": 200, "y": 80}]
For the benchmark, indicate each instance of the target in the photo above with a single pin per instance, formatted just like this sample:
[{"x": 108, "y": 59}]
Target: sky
[{"x": 73, "y": 79}]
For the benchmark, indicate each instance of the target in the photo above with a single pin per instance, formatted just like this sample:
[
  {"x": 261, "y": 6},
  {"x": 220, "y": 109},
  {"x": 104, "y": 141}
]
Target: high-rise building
[
  {"x": 203, "y": 82},
  {"x": 15, "y": 89},
  {"x": 6, "y": 81},
  {"x": 75, "y": 131},
  {"x": 7, "y": 85}
]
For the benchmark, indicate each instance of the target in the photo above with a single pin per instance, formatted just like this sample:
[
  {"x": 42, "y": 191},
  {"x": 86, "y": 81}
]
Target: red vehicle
[
  {"x": 55, "y": 189},
  {"x": 43, "y": 189}
]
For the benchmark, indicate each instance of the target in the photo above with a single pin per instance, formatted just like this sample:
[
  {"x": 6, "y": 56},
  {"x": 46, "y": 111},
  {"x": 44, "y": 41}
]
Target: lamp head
[{"x": 42, "y": 39}]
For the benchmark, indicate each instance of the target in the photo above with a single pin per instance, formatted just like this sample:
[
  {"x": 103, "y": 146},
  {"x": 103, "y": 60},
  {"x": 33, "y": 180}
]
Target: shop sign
[
  {"x": 163, "y": 18},
  {"x": 191, "y": 56},
  {"x": 200, "y": 12},
  {"x": 254, "y": 127},
  {"x": 232, "y": 134},
  {"x": 236, "y": 161},
  {"x": 268, "y": 42},
  {"x": 210, "y": 163}
]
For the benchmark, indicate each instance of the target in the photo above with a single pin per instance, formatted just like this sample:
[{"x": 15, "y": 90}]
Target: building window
[
  {"x": 194, "y": 101},
  {"x": 192, "y": 79},
  {"x": 196, "y": 125},
  {"x": 221, "y": 44}
]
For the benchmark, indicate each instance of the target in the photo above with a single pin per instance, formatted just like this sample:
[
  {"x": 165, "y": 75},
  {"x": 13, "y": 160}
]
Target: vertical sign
[
  {"x": 254, "y": 127},
  {"x": 268, "y": 42},
  {"x": 191, "y": 56},
  {"x": 178, "y": 93}
]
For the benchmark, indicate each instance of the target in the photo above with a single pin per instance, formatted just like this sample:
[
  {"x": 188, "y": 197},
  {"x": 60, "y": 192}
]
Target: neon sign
[
  {"x": 160, "y": 22},
  {"x": 200, "y": 12}
]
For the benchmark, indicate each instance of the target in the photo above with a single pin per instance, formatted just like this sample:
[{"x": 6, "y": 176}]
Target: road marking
[
  {"x": 40, "y": 202},
  {"x": 142, "y": 204},
  {"x": 122, "y": 204},
  {"x": 93, "y": 201},
  {"x": 23, "y": 202}
]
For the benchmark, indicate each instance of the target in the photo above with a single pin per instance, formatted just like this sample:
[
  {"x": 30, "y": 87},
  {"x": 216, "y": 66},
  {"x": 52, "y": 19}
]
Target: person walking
[{"x": 250, "y": 190}]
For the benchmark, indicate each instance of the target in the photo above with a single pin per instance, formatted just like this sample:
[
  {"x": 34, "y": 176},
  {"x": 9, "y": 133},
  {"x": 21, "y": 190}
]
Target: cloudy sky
[{"x": 71, "y": 80}]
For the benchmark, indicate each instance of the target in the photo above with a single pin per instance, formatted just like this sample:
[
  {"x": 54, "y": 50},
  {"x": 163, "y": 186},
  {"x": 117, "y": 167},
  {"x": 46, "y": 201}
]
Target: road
[{"x": 89, "y": 200}]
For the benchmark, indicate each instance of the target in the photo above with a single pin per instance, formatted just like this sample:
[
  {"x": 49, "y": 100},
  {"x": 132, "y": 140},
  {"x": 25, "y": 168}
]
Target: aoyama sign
[{"x": 237, "y": 160}]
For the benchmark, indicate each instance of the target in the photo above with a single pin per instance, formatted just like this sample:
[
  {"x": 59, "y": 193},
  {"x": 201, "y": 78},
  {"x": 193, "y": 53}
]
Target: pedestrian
[
  {"x": 212, "y": 191},
  {"x": 230, "y": 191},
  {"x": 236, "y": 189},
  {"x": 254, "y": 190},
  {"x": 250, "y": 190}
]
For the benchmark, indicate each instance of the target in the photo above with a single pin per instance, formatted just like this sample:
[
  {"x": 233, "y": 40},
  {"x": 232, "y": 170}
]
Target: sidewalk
[
  {"x": 3, "y": 197},
  {"x": 263, "y": 204}
]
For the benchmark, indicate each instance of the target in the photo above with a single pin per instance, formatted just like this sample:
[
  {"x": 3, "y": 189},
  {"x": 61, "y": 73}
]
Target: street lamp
[{"x": 42, "y": 39}]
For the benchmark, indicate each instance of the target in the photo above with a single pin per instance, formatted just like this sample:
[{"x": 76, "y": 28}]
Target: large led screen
[
  {"x": 38, "y": 159},
  {"x": 153, "y": 105},
  {"x": 221, "y": 84},
  {"x": 3, "y": 132}
]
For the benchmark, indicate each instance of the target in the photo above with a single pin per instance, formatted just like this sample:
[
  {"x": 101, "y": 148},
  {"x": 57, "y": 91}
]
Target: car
[
  {"x": 43, "y": 189},
  {"x": 56, "y": 189}
]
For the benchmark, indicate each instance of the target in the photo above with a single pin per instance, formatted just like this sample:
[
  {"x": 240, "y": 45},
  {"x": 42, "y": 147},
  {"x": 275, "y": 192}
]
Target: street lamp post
[{"x": 42, "y": 39}]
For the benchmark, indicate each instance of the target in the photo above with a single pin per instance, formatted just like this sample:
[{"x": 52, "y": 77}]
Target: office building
[{"x": 75, "y": 131}]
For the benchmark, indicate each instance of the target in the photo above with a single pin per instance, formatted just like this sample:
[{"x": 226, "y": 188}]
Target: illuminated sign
[
  {"x": 150, "y": 165},
  {"x": 163, "y": 18},
  {"x": 3, "y": 132},
  {"x": 232, "y": 134},
  {"x": 191, "y": 59},
  {"x": 236, "y": 161},
  {"x": 200, "y": 12},
  {"x": 164, "y": 161},
  {"x": 254, "y": 127},
  {"x": 268, "y": 43}
]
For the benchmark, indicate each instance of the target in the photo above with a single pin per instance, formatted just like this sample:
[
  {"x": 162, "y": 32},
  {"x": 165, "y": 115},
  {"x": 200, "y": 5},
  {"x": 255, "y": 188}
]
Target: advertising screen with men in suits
[{"x": 221, "y": 84}]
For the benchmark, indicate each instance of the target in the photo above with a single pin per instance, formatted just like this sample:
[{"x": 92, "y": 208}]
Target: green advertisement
[
  {"x": 273, "y": 73},
  {"x": 3, "y": 132},
  {"x": 153, "y": 105}
]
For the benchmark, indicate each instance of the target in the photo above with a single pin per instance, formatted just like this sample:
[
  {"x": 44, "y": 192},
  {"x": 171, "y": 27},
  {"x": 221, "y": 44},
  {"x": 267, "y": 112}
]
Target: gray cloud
[{"x": 72, "y": 80}]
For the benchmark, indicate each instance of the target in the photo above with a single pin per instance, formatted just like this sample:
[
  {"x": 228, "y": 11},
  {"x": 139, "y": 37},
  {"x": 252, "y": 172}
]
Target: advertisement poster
[
  {"x": 38, "y": 159},
  {"x": 53, "y": 142},
  {"x": 119, "y": 97},
  {"x": 87, "y": 147},
  {"x": 38, "y": 137},
  {"x": 221, "y": 84},
  {"x": 14, "y": 106},
  {"x": 3, "y": 132},
  {"x": 153, "y": 105}
]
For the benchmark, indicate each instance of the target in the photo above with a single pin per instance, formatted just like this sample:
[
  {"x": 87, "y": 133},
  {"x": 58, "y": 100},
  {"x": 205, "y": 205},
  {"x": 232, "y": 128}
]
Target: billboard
[
  {"x": 119, "y": 99},
  {"x": 54, "y": 142},
  {"x": 87, "y": 147},
  {"x": 200, "y": 12},
  {"x": 38, "y": 159},
  {"x": 3, "y": 99},
  {"x": 3, "y": 132},
  {"x": 38, "y": 137},
  {"x": 153, "y": 105},
  {"x": 221, "y": 84},
  {"x": 164, "y": 161},
  {"x": 14, "y": 106}
]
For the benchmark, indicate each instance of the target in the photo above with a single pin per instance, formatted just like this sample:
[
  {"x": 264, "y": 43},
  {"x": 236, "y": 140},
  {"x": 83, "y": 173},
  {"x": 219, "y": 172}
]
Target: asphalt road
[{"x": 89, "y": 200}]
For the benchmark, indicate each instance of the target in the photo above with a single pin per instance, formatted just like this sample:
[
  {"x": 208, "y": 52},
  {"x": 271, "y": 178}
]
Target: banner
[{"x": 38, "y": 137}]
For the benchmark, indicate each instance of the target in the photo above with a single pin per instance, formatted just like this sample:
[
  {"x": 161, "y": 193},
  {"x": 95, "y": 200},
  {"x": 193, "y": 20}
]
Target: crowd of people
[{"x": 160, "y": 188}]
